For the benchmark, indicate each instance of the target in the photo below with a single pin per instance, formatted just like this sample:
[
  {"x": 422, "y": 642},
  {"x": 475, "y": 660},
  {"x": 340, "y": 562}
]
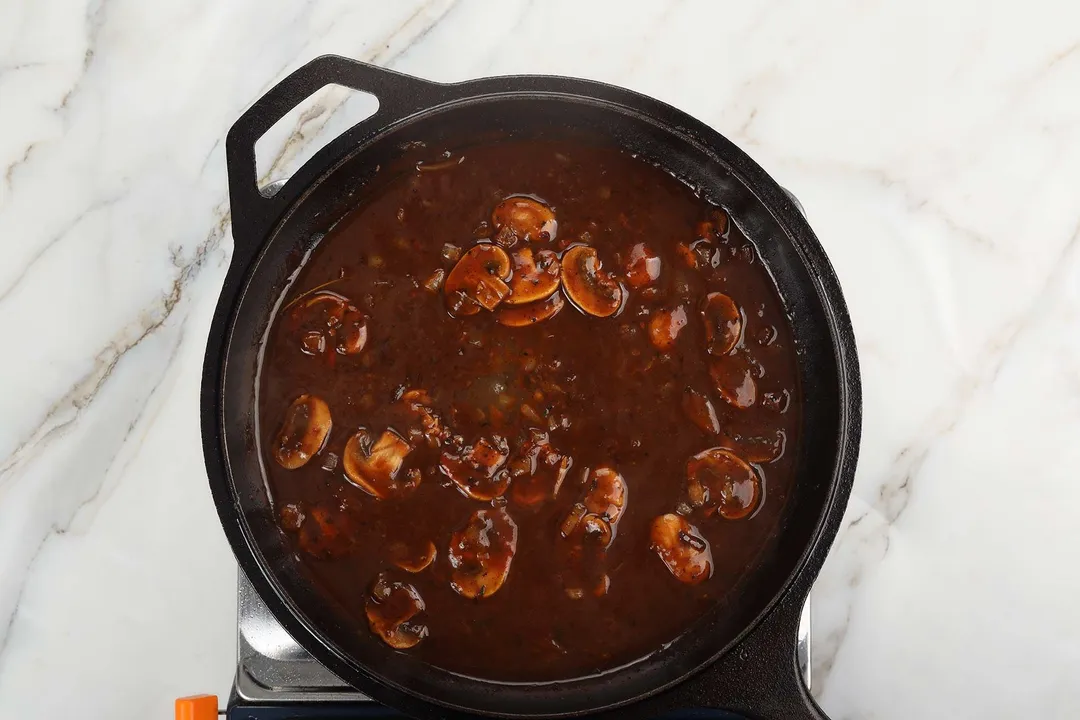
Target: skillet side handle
[
  {"x": 254, "y": 212},
  {"x": 760, "y": 678}
]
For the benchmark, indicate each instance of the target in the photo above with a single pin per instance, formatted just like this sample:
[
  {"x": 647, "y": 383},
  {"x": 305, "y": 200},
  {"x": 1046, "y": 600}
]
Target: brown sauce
[{"x": 438, "y": 526}]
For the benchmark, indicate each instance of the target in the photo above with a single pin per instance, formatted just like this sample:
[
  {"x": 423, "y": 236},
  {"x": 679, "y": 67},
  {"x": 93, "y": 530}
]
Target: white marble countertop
[{"x": 936, "y": 147}]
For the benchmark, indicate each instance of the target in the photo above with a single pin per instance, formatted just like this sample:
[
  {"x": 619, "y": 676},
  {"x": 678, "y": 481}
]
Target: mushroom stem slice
[
  {"x": 525, "y": 315},
  {"x": 303, "y": 432},
  {"x": 374, "y": 468},
  {"x": 570, "y": 524},
  {"x": 721, "y": 482},
  {"x": 535, "y": 278},
  {"x": 390, "y": 608},
  {"x": 481, "y": 553},
  {"x": 478, "y": 280},
  {"x": 592, "y": 289},
  {"x": 682, "y": 547}
]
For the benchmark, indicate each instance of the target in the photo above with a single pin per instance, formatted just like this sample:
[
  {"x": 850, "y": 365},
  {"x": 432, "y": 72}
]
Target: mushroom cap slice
[
  {"x": 526, "y": 218},
  {"x": 605, "y": 494},
  {"x": 325, "y": 532},
  {"x": 303, "y": 432},
  {"x": 322, "y": 309},
  {"x": 593, "y": 290},
  {"x": 665, "y": 326},
  {"x": 352, "y": 334},
  {"x": 478, "y": 280},
  {"x": 390, "y": 608},
  {"x": 723, "y": 323},
  {"x": 477, "y": 470},
  {"x": 701, "y": 412},
  {"x": 721, "y": 482},
  {"x": 481, "y": 553},
  {"x": 525, "y": 315},
  {"x": 597, "y": 530},
  {"x": 734, "y": 381},
  {"x": 413, "y": 557},
  {"x": 682, "y": 547},
  {"x": 374, "y": 468},
  {"x": 642, "y": 266},
  {"x": 535, "y": 278}
]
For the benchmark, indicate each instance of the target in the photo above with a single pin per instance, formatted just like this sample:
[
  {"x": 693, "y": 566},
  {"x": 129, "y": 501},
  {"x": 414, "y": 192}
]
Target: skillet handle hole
[{"x": 307, "y": 128}]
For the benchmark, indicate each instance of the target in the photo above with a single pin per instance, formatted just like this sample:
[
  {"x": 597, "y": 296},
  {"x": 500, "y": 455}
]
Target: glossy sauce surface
[{"x": 699, "y": 427}]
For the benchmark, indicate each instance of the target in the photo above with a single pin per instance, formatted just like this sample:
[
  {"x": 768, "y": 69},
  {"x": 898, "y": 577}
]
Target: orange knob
[{"x": 197, "y": 707}]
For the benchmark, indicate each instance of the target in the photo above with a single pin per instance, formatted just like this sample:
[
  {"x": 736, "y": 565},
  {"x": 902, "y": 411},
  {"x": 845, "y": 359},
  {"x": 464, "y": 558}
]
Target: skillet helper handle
[
  {"x": 254, "y": 212},
  {"x": 760, "y": 678}
]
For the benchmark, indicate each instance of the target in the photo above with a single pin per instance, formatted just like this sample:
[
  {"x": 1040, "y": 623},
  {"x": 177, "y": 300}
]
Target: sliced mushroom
[
  {"x": 719, "y": 481},
  {"x": 701, "y": 412},
  {"x": 435, "y": 281},
  {"x": 593, "y": 521},
  {"x": 477, "y": 470},
  {"x": 328, "y": 317},
  {"x": 758, "y": 446},
  {"x": 715, "y": 227},
  {"x": 525, "y": 315},
  {"x": 353, "y": 333},
  {"x": 524, "y": 218},
  {"x": 642, "y": 266},
  {"x": 665, "y": 326},
  {"x": 686, "y": 254},
  {"x": 292, "y": 516},
  {"x": 535, "y": 278},
  {"x": 390, "y": 609},
  {"x": 413, "y": 557},
  {"x": 605, "y": 493},
  {"x": 573, "y": 520},
  {"x": 303, "y": 432},
  {"x": 481, "y": 553},
  {"x": 374, "y": 468},
  {"x": 583, "y": 563},
  {"x": 682, "y": 547},
  {"x": 425, "y": 424},
  {"x": 325, "y": 532},
  {"x": 734, "y": 380},
  {"x": 723, "y": 323},
  {"x": 537, "y": 471},
  {"x": 595, "y": 530},
  {"x": 478, "y": 280},
  {"x": 593, "y": 290}
]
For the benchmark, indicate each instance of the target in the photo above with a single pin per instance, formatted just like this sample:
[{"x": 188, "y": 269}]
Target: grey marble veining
[{"x": 935, "y": 146}]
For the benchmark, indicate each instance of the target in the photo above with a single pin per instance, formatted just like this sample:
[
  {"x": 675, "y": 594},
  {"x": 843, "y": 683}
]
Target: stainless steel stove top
[{"x": 272, "y": 667}]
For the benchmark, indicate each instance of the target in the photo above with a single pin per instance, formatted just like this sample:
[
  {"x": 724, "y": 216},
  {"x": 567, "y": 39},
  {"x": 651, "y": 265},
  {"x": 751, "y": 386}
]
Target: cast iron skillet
[{"x": 739, "y": 657}]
